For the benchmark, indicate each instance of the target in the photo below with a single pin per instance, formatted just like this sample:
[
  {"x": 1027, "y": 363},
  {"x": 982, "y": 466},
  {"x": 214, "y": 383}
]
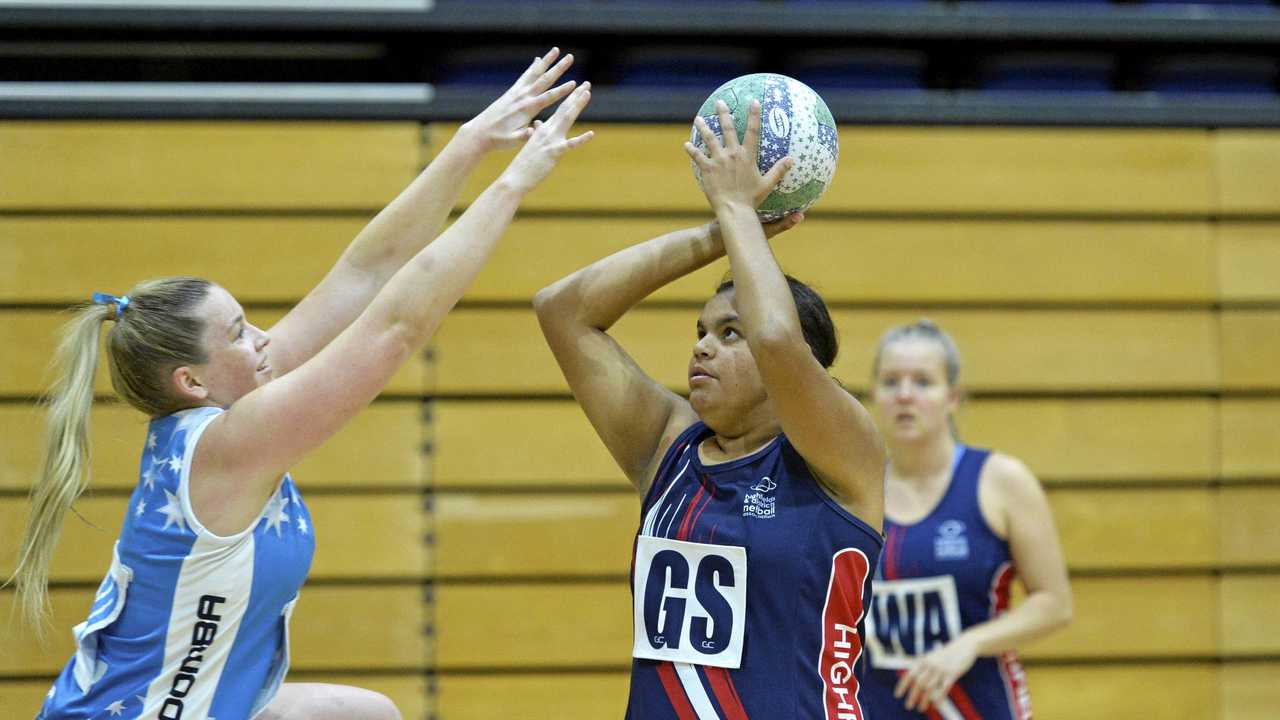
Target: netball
[{"x": 793, "y": 121}]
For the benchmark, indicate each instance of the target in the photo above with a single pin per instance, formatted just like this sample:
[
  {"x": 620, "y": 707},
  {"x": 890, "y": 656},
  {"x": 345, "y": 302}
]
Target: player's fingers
[
  {"x": 699, "y": 157},
  {"x": 752, "y": 140},
  {"x": 727, "y": 129},
  {"x": 780, "y": 168},
  {"x": 708, "y": 138},
  {"x": 549, "y": 77}
]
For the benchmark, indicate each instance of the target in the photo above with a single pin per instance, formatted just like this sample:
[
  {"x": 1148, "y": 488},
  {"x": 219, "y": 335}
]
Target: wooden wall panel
[
  {"x": 1247, "y": 526},
  {"x": 187, "y": 165},
  {"x": 1248, "y": 615},
  {"x": 1139, "y": 529},
  {"x": 531, "y": 697},
  {"x": 1247, "y": 436},
  {"x": 381, "y": 447},
  {"x": 1175, "y": 691},
  {"x": 517, "y": 535},
  {"x": 907, "y": 260},
  {"x": 1245, "y": 163},
  {"x": 66, "y": 259},
  {"x": 1248, "y": 261},
  {"x": 1249, "y": 690},
  {"x": 502, "y": 351},
  {"x": 1250, "y": 349},
  {"x": 963, "y": 170}
]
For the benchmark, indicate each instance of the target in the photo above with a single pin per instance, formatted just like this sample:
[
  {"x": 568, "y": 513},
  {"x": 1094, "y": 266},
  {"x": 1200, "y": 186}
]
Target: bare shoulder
[{"x": 1006, "y": 488}]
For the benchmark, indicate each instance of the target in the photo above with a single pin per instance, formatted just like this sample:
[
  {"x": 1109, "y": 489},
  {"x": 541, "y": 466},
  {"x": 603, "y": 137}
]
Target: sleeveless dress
[
  {"x": 937, "y": 577},
  {"x": 749, "y": 588},
  {"x": 187, "y": 624}
]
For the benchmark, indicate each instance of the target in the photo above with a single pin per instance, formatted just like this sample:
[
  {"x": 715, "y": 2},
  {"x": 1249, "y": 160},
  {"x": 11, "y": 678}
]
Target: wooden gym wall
[{"x": 1113, "y": 293}]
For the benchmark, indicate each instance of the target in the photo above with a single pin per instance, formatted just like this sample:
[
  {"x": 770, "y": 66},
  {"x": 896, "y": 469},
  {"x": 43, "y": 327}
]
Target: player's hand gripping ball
[{"x": 793, "y": 121}]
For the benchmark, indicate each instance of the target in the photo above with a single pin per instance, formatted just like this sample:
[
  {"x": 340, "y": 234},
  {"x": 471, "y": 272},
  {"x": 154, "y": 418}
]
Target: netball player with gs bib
[
  {"x": 961, "y": 523},
  {"x": 761, "y": 494}
]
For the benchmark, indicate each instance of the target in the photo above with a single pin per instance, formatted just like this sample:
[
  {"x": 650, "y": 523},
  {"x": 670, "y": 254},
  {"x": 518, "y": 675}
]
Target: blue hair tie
[{"x": 108, "y": 299}]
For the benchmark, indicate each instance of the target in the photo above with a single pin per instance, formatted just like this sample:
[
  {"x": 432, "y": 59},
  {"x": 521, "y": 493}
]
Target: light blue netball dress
[{"x": 187, "y": 624}]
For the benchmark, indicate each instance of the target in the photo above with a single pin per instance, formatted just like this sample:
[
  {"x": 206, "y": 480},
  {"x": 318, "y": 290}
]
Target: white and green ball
[{"x": 793, "y": 121}]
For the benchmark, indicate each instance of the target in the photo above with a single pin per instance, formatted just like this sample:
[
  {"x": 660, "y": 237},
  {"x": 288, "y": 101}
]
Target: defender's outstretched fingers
[
  {"x": 549, "y": 77},
  {"x": 538, "y": 66},
  {"x": 580, "y": 140},
  {"x": 567, "y": 114},
  {"x": 728, "y": 131}
]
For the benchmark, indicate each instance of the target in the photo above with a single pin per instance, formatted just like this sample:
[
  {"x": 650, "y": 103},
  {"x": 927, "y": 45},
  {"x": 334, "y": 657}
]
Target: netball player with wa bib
[
  {"x": 761, "y": 494},
  {"x": 960, "y": 525}
]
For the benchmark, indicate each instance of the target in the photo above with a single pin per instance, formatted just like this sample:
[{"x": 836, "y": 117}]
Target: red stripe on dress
[
  {"x": 890, "y": 565},
  {"x": 726, "y": 694},
  {"x": 841, "y": 643},
  {"x": 693, "y": 526},
  {"x": 683, "y": 532},
  {"x": 963, "y": 703},
  {"x": 675, "y": 693},
  {"x": 1016, "y": 692}
]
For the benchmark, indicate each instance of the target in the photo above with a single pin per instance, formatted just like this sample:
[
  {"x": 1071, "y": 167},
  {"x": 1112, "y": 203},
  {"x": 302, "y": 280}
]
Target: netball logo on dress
[
  {"x": 760, "y": 504},
  {"x": 951, "y": 543}
]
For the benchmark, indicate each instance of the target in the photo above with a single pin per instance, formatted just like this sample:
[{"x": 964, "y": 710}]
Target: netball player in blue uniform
[
  {"x": 761, "y": 494},
  {"x": 191, "y": 620},
  {"x": 960, "y": 524}
]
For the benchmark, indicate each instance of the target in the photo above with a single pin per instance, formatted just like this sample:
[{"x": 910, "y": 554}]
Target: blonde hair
[
  {"x": 925, "y": 329},
  {"x": 155, "y": 332}
]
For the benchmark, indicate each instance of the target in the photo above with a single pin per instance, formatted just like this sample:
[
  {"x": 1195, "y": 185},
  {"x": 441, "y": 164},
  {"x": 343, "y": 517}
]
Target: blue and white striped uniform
[{"x": 187, "y": 624}]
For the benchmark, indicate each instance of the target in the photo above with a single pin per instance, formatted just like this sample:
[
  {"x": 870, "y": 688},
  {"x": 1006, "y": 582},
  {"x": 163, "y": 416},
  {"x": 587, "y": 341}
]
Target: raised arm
[
  {"x": 414, "y": 217},
  {"x": 246, "y": 449},
  {"x": 828, "y": 426},
  {"x": 635, "y": 416}
]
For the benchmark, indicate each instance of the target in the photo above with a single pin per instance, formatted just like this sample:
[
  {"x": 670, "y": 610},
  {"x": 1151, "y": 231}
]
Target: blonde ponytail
[{"x": 65, "y": 474}]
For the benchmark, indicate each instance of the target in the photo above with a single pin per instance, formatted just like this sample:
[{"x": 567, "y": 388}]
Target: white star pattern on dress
[
  {"x": 275, "y": 513},
  {"x": 151, "y": 441},
  {"x": 174, "y": 463},
  {"x": 189, "y": 420},
  {"x": 52, "y": 691},
  {"x": 149, "y": 477},
  {"x": 172, "y": 512},
  {"x": 302, "y": 525},
  {"x": 142, "y": 507},
  {"x": 116, "y": 707}
]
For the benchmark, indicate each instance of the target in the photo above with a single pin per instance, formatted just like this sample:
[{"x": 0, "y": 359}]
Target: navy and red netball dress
[
  {"x": 937, "y": 577},
  {"x": 749, "y": 589}
]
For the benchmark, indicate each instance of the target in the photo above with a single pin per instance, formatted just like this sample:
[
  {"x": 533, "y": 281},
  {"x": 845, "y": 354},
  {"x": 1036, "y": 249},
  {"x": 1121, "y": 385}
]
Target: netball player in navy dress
[
  {"x": 960, "y": 525},
  {"x": 191, "y": 620},
  {"x": 761, "y": 494}
]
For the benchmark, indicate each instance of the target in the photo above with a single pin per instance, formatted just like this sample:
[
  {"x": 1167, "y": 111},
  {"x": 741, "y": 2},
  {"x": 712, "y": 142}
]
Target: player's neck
[{"x": 924, "y": 460}]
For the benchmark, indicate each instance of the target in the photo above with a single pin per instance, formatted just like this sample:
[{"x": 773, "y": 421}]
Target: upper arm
[
  {"x": 635, "y": 416},
  {"x": 325, "y": 312},
  {"x": 1032, "y": 534},
  {"x": 270, "y": 429},
  {"x": 827, "y": 425}
]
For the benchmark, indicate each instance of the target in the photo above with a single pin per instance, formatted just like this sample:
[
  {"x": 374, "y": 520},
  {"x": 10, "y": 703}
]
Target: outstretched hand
[
  {"x": 505, "y": 123},
  {"x": 548, "y": 142},
  {"x": 729, "y": 170}
]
